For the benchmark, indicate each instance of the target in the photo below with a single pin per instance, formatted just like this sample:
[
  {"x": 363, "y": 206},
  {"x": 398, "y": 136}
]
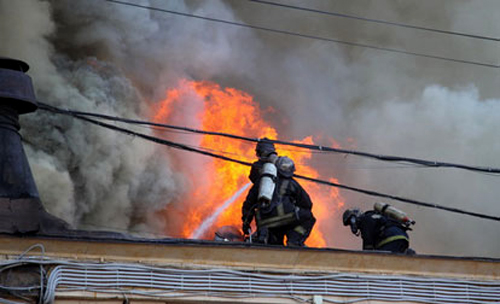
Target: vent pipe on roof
[
  {"x": 21, "y": 210},
  {"x": 16, "y": 97}
]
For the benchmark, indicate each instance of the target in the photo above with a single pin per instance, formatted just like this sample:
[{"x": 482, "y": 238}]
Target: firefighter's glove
[{"x": 246, "y": 227}]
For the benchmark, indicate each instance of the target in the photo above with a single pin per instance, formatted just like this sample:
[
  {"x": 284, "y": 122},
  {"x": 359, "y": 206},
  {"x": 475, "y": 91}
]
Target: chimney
[
  {"x": 21, "y": 210},
  {"x": 16, "y": 98}
]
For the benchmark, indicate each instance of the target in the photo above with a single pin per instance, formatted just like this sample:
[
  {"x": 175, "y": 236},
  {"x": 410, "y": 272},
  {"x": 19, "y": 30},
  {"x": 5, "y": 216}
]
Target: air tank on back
[
  {"x": 267, "y": 181},
  {"x": 393, "y": 213}
]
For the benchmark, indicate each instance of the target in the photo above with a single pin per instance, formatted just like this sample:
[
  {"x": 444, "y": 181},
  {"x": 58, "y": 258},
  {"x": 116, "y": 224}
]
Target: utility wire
[
  {"x": 388, "y": 158},
  {"x": 404, "y": 25},
  {"x": 398, "y": 198},
  {"x": 191, "y": 149},
  {"x": 256, "y": 27}
]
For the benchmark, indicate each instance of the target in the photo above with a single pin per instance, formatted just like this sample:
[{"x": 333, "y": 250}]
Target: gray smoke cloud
[
  {"x": 90, "y": 177},
  {"x": 396, "y": 104},
  {"x": 103, "y": 57}
]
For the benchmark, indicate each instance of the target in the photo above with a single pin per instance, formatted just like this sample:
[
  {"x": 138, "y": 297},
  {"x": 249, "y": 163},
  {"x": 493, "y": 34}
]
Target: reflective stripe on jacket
[
  {"x": 391, "y": 239},
  {"x": 280, "y": 212}
]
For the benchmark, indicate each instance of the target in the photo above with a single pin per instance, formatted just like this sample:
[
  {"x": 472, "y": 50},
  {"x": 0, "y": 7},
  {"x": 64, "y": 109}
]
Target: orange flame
[{"x": 207, "y": 106}]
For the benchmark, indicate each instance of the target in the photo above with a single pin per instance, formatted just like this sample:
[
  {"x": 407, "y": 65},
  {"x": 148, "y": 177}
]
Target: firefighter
[
  {"x": 288, "y": 213},
  {"x": 379, "y": 230}
]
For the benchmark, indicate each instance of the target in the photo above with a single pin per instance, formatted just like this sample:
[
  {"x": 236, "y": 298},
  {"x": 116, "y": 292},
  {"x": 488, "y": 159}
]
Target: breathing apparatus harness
[{"x": 273, "y": 208}]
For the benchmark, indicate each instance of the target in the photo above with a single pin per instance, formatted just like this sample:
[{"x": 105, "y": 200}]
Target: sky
[{"x": 99, "y": 56}]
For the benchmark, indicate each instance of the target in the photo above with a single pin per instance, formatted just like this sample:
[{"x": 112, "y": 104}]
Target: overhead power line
[
  {"x": 218, "y": 156},
  {"x": 290, "y": 33},
  {"x": 387, "y": 158},
  {"x": 404, "y": 25}
]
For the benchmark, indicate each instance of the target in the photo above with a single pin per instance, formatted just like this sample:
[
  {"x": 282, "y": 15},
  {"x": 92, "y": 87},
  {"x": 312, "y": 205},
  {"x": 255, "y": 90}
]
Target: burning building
[
  {"x": 89, "y": 56},
  {"x": 82, "y": 266}
]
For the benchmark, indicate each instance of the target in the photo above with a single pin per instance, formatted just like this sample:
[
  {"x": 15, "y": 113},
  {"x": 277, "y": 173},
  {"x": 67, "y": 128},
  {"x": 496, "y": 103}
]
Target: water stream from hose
[{"x": 208, "y": 222}]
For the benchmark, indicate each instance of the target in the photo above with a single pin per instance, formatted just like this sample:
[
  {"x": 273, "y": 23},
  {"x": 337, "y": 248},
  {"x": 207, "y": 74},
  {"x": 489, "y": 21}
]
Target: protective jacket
[{"x": 382, "y": 233}]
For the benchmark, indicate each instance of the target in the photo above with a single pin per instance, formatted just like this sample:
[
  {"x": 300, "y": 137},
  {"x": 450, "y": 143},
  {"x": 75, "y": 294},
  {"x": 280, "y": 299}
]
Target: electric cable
[
  {"x": 40, "y": 246},
  {"x": 175, "y": 283},
  {"x": 404, "y": 25},
  {"x": 388, "y": 158},
  {"x": 169, "y": 282},
  {"x": 290, "y": 33},
  {"x": 217, "y": 156},
  {"x": 5, "y": 301},
  {"x": 398, "y": 198}
]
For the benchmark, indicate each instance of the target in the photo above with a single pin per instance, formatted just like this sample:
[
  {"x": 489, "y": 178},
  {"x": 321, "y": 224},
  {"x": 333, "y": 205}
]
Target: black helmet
[
  {"x": 264, "y": 147},
  {"x": 285, "y": 166},
  {"x": 346, "y": 217}
]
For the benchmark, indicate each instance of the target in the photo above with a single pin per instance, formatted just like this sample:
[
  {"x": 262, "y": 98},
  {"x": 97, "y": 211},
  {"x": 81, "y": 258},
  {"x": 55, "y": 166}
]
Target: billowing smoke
[
  {"x": 103, "y": 57},
  {"x": 395, "y": 104},
  {"x": 90, "y": 177}
]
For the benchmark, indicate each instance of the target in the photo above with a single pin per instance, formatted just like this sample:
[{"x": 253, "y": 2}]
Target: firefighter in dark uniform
[
  {"x": 378, "y": 231},
  {"x": 289, "y": 211}
]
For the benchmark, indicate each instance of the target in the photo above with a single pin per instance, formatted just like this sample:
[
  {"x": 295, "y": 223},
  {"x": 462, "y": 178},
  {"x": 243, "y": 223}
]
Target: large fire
[{"x": 207, "y": 106}]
